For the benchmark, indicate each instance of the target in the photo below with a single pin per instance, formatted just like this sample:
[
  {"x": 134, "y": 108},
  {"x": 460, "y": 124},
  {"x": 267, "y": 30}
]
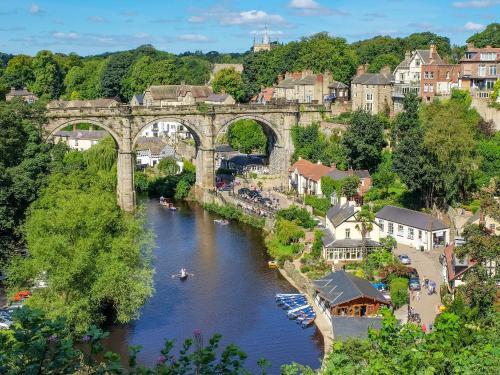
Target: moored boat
[{"x": 272, "y": 264}]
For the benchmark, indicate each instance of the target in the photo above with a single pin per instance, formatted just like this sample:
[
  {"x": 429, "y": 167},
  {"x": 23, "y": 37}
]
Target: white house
[
  {"x": 149, "y": 152},
  {"x": 305, "y": 177},
  {"x": 80, "y": 140},
  {"x": 169, "y": 129},
  {"x": 342, "y": 238},
  {"x": 412, "y": 228}
]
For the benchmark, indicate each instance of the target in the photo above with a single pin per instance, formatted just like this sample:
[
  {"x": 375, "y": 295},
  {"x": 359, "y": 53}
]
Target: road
[{"x": 427, "y": 265}]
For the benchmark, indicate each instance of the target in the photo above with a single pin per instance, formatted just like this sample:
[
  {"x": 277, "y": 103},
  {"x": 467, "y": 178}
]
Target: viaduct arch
[{"x": 125, "y": 123}]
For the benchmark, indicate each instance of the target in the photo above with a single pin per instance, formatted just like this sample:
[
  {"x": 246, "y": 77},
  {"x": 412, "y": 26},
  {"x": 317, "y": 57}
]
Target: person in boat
[{"x": 183, "y": 272}]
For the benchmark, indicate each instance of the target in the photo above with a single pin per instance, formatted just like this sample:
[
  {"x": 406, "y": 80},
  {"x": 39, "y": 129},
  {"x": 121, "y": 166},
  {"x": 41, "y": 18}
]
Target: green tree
[
  {"x": 247, "y": 136},
  {"x": 229, "y": 81},
  {"x": 488, "y": 37},
  {"x": 380, "y": 61},
  {"x": 48, "y": 77},
  {"x": 384, "y": 177},
  {"x": 298, "y": 215},
  {"x": 168, "y": 166},
  {"x": 364, "y": 141},
  {"x": 84, "y": 81},
  {"x": 288, "y": 232},
  {"x": 113, "y": 73},
  {"x": 19, "y": 72},
  {"x": 488, "y": 151},
  {"x": 349, "y": 186},
  {"x": 399, "y": 291}
]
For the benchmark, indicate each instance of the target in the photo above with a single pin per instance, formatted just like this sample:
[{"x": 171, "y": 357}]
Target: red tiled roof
[
  {"x": 448, "y": 254},
  {"x": 310, "y": 170},
  {"x": 267, "y": 93}
]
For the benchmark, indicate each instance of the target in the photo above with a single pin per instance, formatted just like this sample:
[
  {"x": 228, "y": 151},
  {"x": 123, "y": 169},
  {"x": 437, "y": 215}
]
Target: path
[{"x": 427, "y": 265}]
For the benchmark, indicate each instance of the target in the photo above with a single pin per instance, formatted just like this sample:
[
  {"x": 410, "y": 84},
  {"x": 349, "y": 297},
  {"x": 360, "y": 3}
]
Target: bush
[
  {"x": 300, "y": 215},
  {"x": 305, "y": 269},
  {"x": 320, "y": 205},
  {"x": 399, "y": 291},
  {"x": 288, "y": 232},
  {"x": 232, "y": 212}
]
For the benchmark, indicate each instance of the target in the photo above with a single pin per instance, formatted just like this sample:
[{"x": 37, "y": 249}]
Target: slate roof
[
  {"x": 307, "y": 80},
  {"x": 337, "y": 85},
  {"x": 99, "y": 103},
  {"x": 223, "y": 148},
  {"x": 327, "y": 238},
  {"x": 20, "y": 92},
  {"x": 337, "y": 174},
  {"x": 287, "y": 83},
  {"x": 139, "y": 98},
  {"x": 372, "y": 79},
  {"x": 217, "y": 98},
  {"x": 312, "y": 171},
  {"x": 349, "y": 242},
  {"x": 243, "y": 159},
  {"x": 338, "y": 214},
  {"x": 425, "y": 55},
  {"x": 153, "y": 144},
  {"x": 82, "y": 134},
  {"x": 410, "y": 218},
  {"x": 340, "y": 287},
  {"x": 345, "y": 327}
]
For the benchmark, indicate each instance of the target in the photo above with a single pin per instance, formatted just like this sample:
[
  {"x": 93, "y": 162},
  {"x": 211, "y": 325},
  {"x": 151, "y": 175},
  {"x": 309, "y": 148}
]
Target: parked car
[
  {"x": 414, "y": 283},
  {"x": 5, "y": 323},
  {"x": 412, "y": 272},
  {"x": 405, "y": 259},
  {"x": 380, "y": 286}
]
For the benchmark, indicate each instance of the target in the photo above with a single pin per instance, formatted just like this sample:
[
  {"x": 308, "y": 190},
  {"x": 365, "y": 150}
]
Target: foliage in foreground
[
  {"x": 39, "y": 346},
  {"x": 93, "y": 258}
]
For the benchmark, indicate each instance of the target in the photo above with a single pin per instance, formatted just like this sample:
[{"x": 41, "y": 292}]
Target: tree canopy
[
  {"x": 488, "y": 37},
  {"x": 229, "y": 81},
  {"x": 247, "y": 136}
]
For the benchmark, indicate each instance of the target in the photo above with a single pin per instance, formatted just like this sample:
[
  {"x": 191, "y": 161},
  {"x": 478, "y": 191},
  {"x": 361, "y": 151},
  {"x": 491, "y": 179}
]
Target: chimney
[
  {"x": 361, "y": 70},
  {"x": 343, "y": 201},
  {"x": 407, "y": 55},
  {"x": 386, "y": 70},
  {"x": 433, "y": 49}
]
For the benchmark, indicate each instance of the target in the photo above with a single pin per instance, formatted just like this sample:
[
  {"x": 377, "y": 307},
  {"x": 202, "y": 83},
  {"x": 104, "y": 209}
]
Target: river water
[{"x": 231, "y": 293}]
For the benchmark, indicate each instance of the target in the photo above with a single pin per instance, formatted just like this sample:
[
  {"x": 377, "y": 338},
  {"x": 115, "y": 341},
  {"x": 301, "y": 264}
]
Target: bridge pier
[
  {"x": 205, "y": 168},
  {"x": 125, "y": 189}
]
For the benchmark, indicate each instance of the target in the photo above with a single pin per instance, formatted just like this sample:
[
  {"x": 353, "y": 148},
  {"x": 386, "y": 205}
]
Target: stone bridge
[{"x": 205, "y": 122}]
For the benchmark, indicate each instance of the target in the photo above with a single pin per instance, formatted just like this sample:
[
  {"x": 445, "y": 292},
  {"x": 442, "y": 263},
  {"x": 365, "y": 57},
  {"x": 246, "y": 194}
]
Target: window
[
  {"x": 401, "y": 76},
  {"x": 426, "y": 87},
  {"x": 381, "y": 223},
  {"x": 400, "y": 230},
  {"x": 482, "y": 70},
  {"x": 417, "y": 62},
  {"x": 489, "y": 84},
  {"x": 431, "y": 87},
  {"x": 488, "y": 56},
  {"x": 419, "y": 234},
  {"x": 469, "y": 55},
  {"x": 390, "y": 228},
  {"x": 410, "y": 233},
  {"x": 347, "y": 233},
  {"x": 426, "y": 75},
  {"x": 369, "y": 97},
  {"x": 76, "y": 142},
  {"x": 493, "y": 70},
  {"x": 369, "y": 107},
  {"x": 447, "y": 75}
]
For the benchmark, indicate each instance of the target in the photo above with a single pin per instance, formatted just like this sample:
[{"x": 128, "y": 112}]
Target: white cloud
[
  {"x": 250, "y": 17},
  {"x": 196, "y": 19},
  {"x": 35, "y": 9},
  {"x": 471, "y": 26},
  {"x": 193, "y": 38},
  {"x": 96, "y": 19},
  {"x": 63, "y": 35},
  {"x": 476, "y": 4},
  {"x": 304, "y": 4}
]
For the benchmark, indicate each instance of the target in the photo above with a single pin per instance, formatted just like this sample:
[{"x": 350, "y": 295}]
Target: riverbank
[{"x": 322, "y": 321}]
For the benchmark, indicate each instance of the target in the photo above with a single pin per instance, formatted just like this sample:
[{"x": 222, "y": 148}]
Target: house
[
  {"x": 453, "y": 268},
  {"x": 218, "y": 99},
  {"x": 372, "y": 91},
  {"x": 339, "y": 92},
  {"x": 365, "y": 180},
  {"x": 23, "y": 93},
  {"x": 243, "y": 163},
  {"x": 305, "y": 177},
  {"x": 304, "y": 87},
  {"x": 492, "y": 225},
  {"x": 80, "y": 140},
  {"x": 168, "y": 129},
  {"x": 412, "y": 228},
  {"x": 424, "y": 73},
  {"x": 479, "y": 70},
  {"x": 341, "y": 294},
  {"x": 223, "y": 152},
  {"x": 137, "y": 100},
  {"x": 342, "y": 237},
  {"x": 149, "y": 152},
  {"x": 265, "y": 96},
  {"x": 172, "y": 95}
]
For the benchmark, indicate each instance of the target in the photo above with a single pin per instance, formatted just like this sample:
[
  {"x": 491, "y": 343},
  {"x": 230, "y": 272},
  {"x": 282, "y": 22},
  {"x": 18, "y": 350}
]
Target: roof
[
  {"x": 340, "y": 287},
  {"x": 243, "y": 159},
  {"x": 312, "y": 171},
  {"x": 337, "y": 174},
  {"x": 19, "y": 92},
  {"x": 172, "y": 92},
  {"x": 97, "y": 103},
  {"x": 153, "y": 144},
  {"x": 345, "y": 327},
  {"x": 425, "y": 55},
  {"x": 410, "y": 218},
  {"x": 405, "y": 63},
  {"x": 474, "y": 218},
  {"x": 265, "y": 95},
  {"x": 477, "y": 53},
  {"x": 372, "y": 79},
  {"x": 82, "y": 134},
  {"x": 287, "y": 83},
  {"x": 337, "y": 85},
  {"x": 309, "y": 79},
  {"x": 139, "y": 98},
  {"x": 451, "y": 263},
  {"x": 218, "y": 98},
  {"x": 223, "y": 148},
  {"x": 351, "y": 243},
  {"x": 338, "y": 214}
]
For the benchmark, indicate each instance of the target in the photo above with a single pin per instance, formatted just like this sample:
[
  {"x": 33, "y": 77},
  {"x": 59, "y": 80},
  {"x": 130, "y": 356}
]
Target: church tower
[{"x": 265, "y": 44}]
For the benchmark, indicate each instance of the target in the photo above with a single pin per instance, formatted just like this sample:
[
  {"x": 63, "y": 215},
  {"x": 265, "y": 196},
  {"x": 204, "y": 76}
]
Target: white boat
[
  {"x": 298, "y": 308},
  {"x": 221, "y": 221},
  {"x": 183, "y": 275}
]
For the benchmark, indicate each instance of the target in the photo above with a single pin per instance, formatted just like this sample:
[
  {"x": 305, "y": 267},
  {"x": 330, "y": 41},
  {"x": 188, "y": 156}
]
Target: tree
[
  {"x": 19, "y": 72},
  {"x": 168, "y": 166},
  {"x": 384, "y": 177},
  {"x": 114, "y": 71},
  {"x": 229, "y": 81},
  {"x": 399, "y": 291},
  {"x": 488, "y": 37},
  {"x": 364, "y": 141},
  {"x": 84, "y": 82},
  {"x": 288, "y": 232},
  {"x": 380, "y": 61},
  {"x": 488, "y": 151},
  {"x": 48, "y": 76},
  {"x": 247, "y": 136},
  {"x": 298, "y": 215},
  {"x": 349, "y": 186},
  {"x": 407, "y": 119},
  {"x": 93, "y": 257},
  {"x": 366, "y": 218}
]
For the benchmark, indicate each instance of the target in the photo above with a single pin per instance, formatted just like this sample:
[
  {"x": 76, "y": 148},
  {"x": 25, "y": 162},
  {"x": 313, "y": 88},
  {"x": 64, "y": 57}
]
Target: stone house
[
  {"x": 23, "y": 93},
  {"x": 168, "y": 95},
  {"x": 339, "y": 92},
  {"x": 244, "y": 163},
  {"x": 365, "y": 180},
  {"x": 149, "y": 152},
  {"x": 412, "y": 228},
  {"x": 492, "y": 225},
  {"x": 305, "y": 177},
  {"x": 265, "y": 96},
  {"x": 479, "y": 70},
  {"x": 303, "y": 87},
  {"x": 137, "y": 100},
  {"x": 218, "y": 99},
  {"x": 342, "y": 237},
  {"x": 372, "y": 92}
]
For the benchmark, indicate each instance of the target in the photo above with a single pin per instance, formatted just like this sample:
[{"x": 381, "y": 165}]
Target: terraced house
[
  {"x": 372, "y": 91},
  {"x": 479, "y": 70},
  {"x": 166, "y": 95}
]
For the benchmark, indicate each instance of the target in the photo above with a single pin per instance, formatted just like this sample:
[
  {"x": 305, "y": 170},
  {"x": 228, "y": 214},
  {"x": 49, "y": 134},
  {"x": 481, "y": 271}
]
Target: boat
[
  {"x": 221, "y": 221},
  {"x": 183, "y": 275},
  {"x": 279, "y": 295},
  {"x": 172, "y": 207},
  {"x": 272, "y": 264}
]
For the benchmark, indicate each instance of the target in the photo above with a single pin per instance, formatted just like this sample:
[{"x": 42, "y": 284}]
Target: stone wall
[
  {"x": 486, "y": 112},
  {"x": 299, "y": 280}
]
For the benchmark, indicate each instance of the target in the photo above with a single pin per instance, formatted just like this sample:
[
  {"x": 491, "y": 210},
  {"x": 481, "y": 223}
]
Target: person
[
  {"x": 418, "y": 295},
  {"x": 424, "y": 328}
]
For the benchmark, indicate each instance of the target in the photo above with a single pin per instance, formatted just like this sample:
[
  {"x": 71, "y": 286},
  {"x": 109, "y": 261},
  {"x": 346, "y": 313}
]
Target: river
[{"x": 231, "y": 293}]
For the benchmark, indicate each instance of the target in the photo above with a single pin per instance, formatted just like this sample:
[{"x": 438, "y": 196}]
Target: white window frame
[
  {"x": 401, "y": 230},
  {"x": 390, "y": 228},
  {"x": 348, "y": 233},
  {"x": 410, "y": 233}
]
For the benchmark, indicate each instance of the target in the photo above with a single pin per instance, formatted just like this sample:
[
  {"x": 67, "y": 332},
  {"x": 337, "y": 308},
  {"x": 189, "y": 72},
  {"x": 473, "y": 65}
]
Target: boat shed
[{"x": 343, "y": 294}]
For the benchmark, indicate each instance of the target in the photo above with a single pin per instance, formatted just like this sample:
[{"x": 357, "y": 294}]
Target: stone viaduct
[{"x": 206, "y": 123}]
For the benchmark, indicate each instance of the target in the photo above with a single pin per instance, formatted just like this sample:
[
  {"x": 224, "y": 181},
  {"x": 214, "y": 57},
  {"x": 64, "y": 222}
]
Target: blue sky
[{"x": 96, "y": 26}]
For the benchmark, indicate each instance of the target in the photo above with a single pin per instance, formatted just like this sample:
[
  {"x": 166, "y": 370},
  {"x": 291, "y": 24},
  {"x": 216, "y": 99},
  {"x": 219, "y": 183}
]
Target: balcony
[{"x": 401, "y": 89}]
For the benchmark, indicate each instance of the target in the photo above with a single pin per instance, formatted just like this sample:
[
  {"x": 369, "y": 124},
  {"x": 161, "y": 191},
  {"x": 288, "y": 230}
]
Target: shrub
[
  {"x": 320, "y": 205},
  {"x": 300, "y": 215},
  {"x": 399, "y": 291}
]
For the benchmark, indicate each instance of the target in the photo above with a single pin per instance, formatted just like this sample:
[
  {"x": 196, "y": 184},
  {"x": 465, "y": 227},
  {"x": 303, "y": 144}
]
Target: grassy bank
[{"x": 232, "y": 212}]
